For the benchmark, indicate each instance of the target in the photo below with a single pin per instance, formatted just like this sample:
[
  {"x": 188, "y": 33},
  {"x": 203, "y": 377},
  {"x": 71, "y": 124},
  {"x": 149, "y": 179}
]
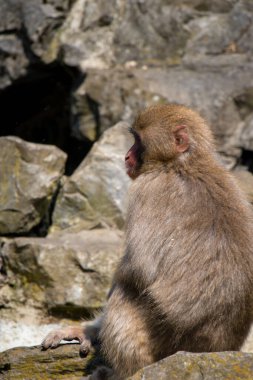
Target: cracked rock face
[
  {"x": 97, "y": 191},
  {"x": 68, "y": 273},
  {"x": 30, "y": 175},
  {"x": 201, "y": 51}
]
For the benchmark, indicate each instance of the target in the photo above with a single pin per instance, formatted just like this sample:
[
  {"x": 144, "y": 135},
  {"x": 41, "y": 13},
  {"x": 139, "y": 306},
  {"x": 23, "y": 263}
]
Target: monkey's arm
[{"x": 85, "y": 335}]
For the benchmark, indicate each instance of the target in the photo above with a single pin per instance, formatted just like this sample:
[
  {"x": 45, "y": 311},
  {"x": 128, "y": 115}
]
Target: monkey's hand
[{"x": 85, "y": 335}]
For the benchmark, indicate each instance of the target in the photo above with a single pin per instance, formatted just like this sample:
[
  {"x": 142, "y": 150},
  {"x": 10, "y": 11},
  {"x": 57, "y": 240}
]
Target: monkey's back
[{"x": 190, "y": 244}]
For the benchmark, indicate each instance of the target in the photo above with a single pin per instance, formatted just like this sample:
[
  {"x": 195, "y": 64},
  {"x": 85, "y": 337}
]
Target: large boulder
[
  {"x": 69, "y": 274},
  {"x": 96, "y": 192},
  {"x": 30, "y": 175}
]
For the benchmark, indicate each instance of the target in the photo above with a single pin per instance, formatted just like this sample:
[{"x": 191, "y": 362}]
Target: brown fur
[{"x": 186, "y": 279}]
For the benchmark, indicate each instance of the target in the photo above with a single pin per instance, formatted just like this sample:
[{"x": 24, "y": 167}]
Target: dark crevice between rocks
[
  {"x": 247, "y": 159},
  {"x": 244, "y": 105},
  {"x": 94, "y": 108},
  {"x": 36, "y": 108},
  {"x": 3, "y": 270},
  {"x": 9, "y": 32},
  {"x": 244, "y": 102},
  {"x": 42, "y": 228},
  {"x": 5, "y": 367},
  {"x": 27, "y": 43},
  {"x": 73, "y": 312}
]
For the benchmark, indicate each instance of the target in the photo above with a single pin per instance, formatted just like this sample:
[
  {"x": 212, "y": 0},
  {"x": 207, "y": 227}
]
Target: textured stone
[
  {"x": 245, "y": 181},
  {"x": 204, "y": 366},
  {"x": 97, "y": 190},
  {"x": 31, "y": 363},
  {"x": 30, "y": 175},
  {"x": 213, "y": 93},
  {"x": 69, "y": 273}
]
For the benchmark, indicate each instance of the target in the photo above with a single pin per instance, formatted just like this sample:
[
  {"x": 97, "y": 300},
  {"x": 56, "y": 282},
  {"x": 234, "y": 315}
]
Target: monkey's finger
[
  {"x": 85, "y": 348},
  {"x": 70, "y": 333},
  {"x": 52, "y": 340}
]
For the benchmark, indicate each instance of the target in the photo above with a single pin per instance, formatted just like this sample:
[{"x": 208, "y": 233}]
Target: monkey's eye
[{"x": 134, "y": 133}]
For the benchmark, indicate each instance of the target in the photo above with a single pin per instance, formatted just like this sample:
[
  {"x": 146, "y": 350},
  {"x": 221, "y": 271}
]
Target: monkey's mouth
[{"x": 130, "y": 171}]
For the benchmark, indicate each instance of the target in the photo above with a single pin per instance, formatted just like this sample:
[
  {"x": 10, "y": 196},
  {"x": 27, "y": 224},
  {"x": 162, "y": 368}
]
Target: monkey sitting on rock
[{"x": 185, "y": 282}]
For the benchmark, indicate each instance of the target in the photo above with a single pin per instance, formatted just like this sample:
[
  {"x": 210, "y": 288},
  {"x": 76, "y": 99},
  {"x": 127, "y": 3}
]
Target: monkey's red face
[{"x": 133, "y": 158}]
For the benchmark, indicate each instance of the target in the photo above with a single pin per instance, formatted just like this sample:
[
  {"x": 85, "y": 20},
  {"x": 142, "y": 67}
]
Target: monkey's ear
[{"x": 181, "y": 138}]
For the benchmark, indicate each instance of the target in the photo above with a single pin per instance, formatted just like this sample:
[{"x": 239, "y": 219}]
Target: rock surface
[
  {"x": 206, "y": 366},
  {"x": 31, "y": 363},
  {"x": 97, "y": 191},
  {"x": 213, "y": 93},
  {"x": 26, "y": 27},
  {"x": 30, "y": 175},
  {"x": 68, "y": 274},
  {"x": 186, "y": 52},
  {"x": 245, "y": 181}
]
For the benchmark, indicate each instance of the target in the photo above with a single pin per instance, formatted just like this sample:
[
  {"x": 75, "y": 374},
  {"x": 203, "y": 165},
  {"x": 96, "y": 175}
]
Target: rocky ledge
[{"x": 31, "y": 363}]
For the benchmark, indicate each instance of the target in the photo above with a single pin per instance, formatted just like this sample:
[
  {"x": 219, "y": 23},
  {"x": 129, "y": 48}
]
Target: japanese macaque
[{"x": 185, "y": 281}]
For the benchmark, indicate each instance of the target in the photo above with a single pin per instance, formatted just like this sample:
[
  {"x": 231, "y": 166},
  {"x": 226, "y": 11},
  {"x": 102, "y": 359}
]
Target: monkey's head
[{"x": 165, "y": 134}]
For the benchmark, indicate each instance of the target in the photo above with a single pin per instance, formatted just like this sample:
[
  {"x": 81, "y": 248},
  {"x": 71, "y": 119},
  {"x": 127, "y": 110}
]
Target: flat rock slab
[{"x": 31, "y": 363}]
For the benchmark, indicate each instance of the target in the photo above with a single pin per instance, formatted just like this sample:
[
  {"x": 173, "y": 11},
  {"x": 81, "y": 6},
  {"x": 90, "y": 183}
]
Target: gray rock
[
  {"x": 26, "y": 30},
  {"x": 215, "y": 6},
  {"x": 40, "y": 20},
  {"x": 97, "y": 190},
  {"x": 246, "y": 138},
  {"x": 212, "y": 92},
  {"x": 30, "y": 175},
  {"x": 208, "y": 41},
  {"x": 203, "y": 366},
  {"x": 241, "y": 18},
  {"x": 69, "y": 273},
  {"x": 100, "y": 34},
  {"x": 10, "y": 15},
  {"x": 245, "y": 181},
  {"x": 31, "y": 363},
  {"x": 151, "y": 32},
  {"x": 13, "y": 60}
]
